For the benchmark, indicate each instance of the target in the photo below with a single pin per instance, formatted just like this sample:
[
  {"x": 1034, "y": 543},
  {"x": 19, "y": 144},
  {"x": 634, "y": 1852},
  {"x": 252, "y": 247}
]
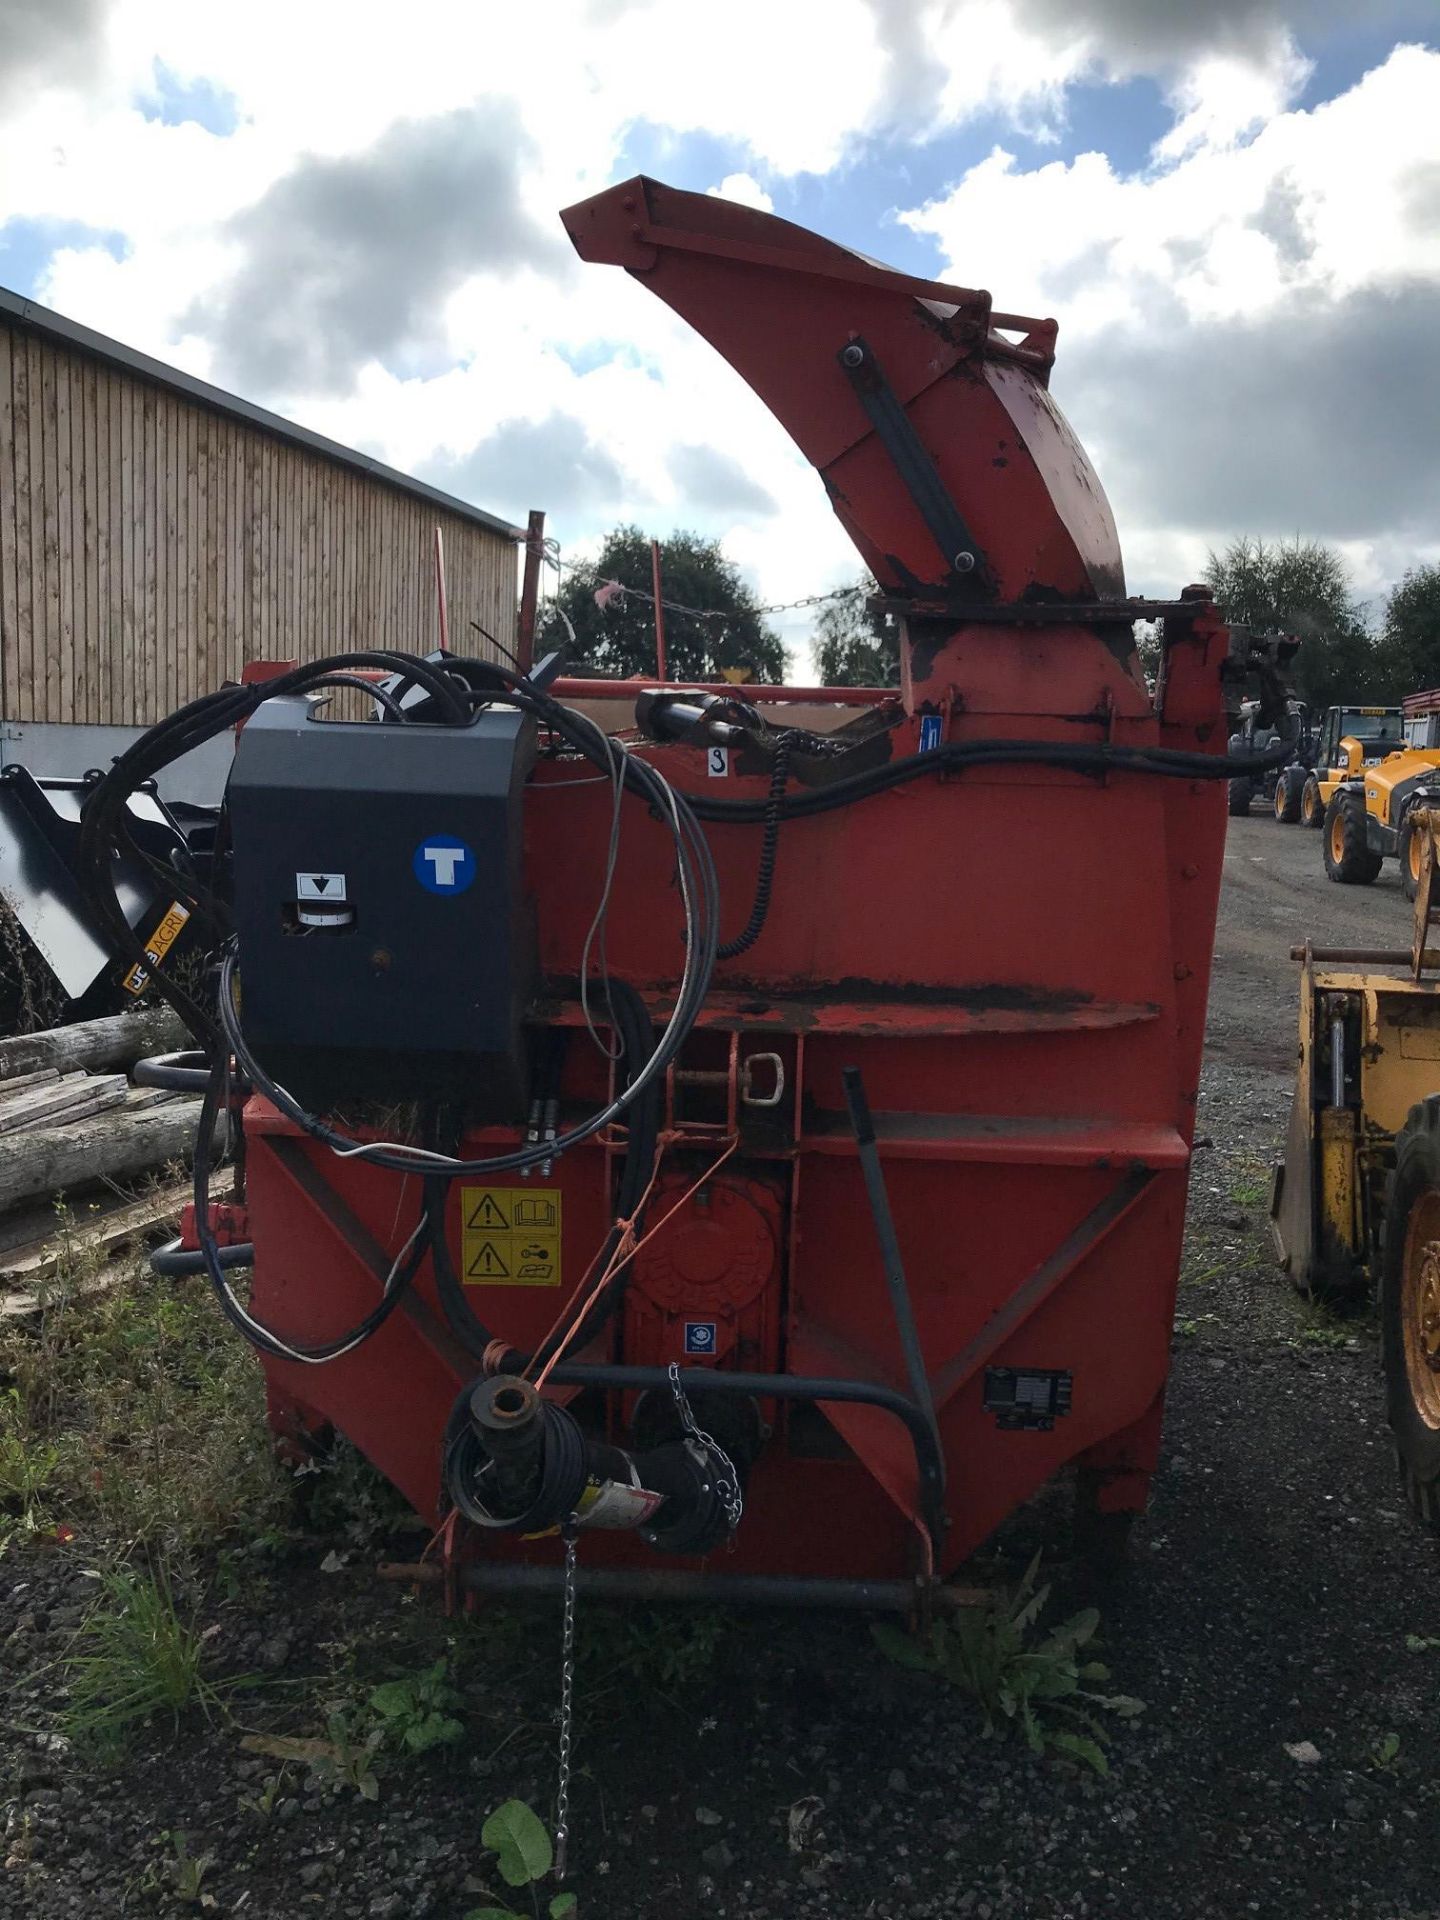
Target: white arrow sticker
[{"x": 320, "y": 886}]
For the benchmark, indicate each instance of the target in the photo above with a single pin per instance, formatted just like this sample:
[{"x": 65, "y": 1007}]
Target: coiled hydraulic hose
[{"x": 769, "y": 848}]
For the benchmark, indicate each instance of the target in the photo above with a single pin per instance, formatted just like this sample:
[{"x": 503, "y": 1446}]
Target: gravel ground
[{"x": 792, "y": 1773}]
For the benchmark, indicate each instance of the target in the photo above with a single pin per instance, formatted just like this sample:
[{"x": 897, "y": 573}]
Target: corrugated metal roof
[{"x": 69, "y": 333}]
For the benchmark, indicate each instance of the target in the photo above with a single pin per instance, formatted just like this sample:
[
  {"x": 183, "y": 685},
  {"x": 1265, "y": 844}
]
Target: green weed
[
  {"x": 1021, "y": 1680},
  {"x": 1187, "y": 1329},
  {"x": 344, "y": 1494},
  {"x": 1385, "y": 1754},
  {"x": 350, "y": 1758},
  {"x": 524, "y": 1856},
  {"x": 671, "y": 1650},
  {"x": 413, "y": 1712},
  {"x": 181, "y": 1875},
  {"x": 1320, "y": 1335}
]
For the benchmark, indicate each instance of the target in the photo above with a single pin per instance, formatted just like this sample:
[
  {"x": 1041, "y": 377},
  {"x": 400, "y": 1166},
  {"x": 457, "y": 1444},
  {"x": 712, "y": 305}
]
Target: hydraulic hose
[
  {"x": 769, "y": 848},
  {"x": 1172, "y": 762}
]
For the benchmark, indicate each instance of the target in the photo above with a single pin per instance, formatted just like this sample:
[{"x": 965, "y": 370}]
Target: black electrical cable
[
  {"x": 769, "y": 848},
  {"x": 265, "y": 1338},
  {"x": 633, "y": 1027}
]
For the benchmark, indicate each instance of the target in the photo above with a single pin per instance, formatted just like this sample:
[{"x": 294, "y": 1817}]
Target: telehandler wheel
[
  {"x": 1410, "y": 1308},
  {"x": 1241, "y": 793},
  {"x": 1288, "y": 789},
  {"x": 1312, "y": 804},
  {"x": 1411, "y": 845},
  {"x": 1348, "y": 858}
]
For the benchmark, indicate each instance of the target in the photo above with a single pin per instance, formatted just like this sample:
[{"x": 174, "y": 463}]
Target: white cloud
[
  {"x": 745, "y": 188},
  {"x": 1270, "y": 269},
  {"x": 1250, "y": 212}
]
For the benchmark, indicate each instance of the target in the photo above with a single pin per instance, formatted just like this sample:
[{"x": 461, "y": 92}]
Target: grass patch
[
  {"x": 134, "y": 1412},
  {"x": 1251, "y": 1191},
  {"x": 27, "y": 1467},
  {"x": 138, "y": 1657}
]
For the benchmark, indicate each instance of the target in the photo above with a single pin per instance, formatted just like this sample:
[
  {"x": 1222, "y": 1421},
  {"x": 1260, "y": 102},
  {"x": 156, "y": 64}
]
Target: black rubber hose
[
  {"x": 769, "y": 847},
  {"x": 1170, "y": 762}
]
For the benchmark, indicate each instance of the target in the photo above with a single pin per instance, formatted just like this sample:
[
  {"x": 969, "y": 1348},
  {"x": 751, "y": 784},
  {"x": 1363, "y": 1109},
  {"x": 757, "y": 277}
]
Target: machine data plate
[{"x": 510, "y": 1236}]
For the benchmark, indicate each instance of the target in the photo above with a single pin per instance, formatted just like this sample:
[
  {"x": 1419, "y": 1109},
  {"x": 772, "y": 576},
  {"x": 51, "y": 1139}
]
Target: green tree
[
  {"x": 1412, "y": 628},
  {"x": 618, "y": 636},
  {"x": 853, "y": 646},
  {"x": 1303, "y": 587}
]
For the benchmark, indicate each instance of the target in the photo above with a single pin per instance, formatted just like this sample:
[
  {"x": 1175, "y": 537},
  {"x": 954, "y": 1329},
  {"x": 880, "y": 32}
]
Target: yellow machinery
[
  {"x": 1370, "y": 810},
  {"x": 1351, "y": 739},
  {"x": 1355, "y": 1205}
]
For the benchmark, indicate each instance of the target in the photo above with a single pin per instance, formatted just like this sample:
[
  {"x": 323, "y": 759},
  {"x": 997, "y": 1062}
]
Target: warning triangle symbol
[
  {"x": 488, "y": 1264},
  {"x": 321, "y": 882},
  {"x": 487, "y": 1213}
]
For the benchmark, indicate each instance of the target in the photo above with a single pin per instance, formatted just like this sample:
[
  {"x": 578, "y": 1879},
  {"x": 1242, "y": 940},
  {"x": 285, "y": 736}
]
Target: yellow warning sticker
[
  {"x": 157, "y": 946},
  {"x": 510, "y": 1236}
]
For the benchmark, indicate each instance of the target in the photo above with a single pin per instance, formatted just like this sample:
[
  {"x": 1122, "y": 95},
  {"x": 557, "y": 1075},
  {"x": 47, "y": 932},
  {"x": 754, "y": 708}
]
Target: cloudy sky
[{"x": 347, "y": 213}]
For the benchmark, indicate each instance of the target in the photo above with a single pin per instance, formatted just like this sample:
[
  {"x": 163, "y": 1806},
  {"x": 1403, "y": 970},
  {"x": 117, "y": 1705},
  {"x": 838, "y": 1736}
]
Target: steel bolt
[
  {"x": 637, "y": 232},
  {"x": 853, "y": 355},
  {"x": 964, "y": 563},
  {"x": 1182, "y": 972},
  {"x": 628, "y": 203},
  {"x": 1190, "y": 871}
]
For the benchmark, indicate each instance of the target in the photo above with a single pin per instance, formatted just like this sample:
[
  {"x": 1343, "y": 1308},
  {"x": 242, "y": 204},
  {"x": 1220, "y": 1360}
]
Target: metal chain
[
  {"x": 727, "y": 1481},
  {"x": 567, "y": 1703}
]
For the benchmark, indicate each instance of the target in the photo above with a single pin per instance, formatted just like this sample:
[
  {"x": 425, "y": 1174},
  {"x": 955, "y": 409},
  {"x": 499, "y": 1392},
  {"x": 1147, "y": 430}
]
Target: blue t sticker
[
  {"x": 444, "y": 864},
  {"x": 699, "y": 1336},
  {"x": 930, "y": 728}
]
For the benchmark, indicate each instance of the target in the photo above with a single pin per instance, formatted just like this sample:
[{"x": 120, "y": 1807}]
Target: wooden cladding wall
[{"x": 149, "y": 547}]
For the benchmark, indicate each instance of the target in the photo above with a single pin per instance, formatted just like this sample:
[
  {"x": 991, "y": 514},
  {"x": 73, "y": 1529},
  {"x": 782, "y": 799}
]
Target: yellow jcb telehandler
[
  {"x": 1347, "y": 740},
  {"x": 1355, "y": 1204},
  {"x": 1370, "y": 810}
]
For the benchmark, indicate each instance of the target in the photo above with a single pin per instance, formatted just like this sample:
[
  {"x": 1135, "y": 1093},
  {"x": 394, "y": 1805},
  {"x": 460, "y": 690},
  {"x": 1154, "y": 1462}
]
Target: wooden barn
[{"x": 156, "y": 533}]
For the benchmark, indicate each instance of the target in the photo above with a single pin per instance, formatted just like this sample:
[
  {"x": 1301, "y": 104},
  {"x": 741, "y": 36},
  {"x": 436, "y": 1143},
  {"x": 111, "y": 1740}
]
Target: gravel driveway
[{"x": 1286, "y": 1763}]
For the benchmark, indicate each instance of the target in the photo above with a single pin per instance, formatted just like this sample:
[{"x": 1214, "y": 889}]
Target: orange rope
[{"x": 629, "y": 1246}]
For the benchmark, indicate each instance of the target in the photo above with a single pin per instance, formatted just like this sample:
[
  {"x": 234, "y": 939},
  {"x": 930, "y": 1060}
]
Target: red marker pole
[{"x": 659, "y": 610}]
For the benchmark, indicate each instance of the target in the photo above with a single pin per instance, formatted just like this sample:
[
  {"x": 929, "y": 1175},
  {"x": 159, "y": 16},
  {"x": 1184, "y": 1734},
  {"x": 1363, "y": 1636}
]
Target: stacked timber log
[{"x": 72, "y": 1127}]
